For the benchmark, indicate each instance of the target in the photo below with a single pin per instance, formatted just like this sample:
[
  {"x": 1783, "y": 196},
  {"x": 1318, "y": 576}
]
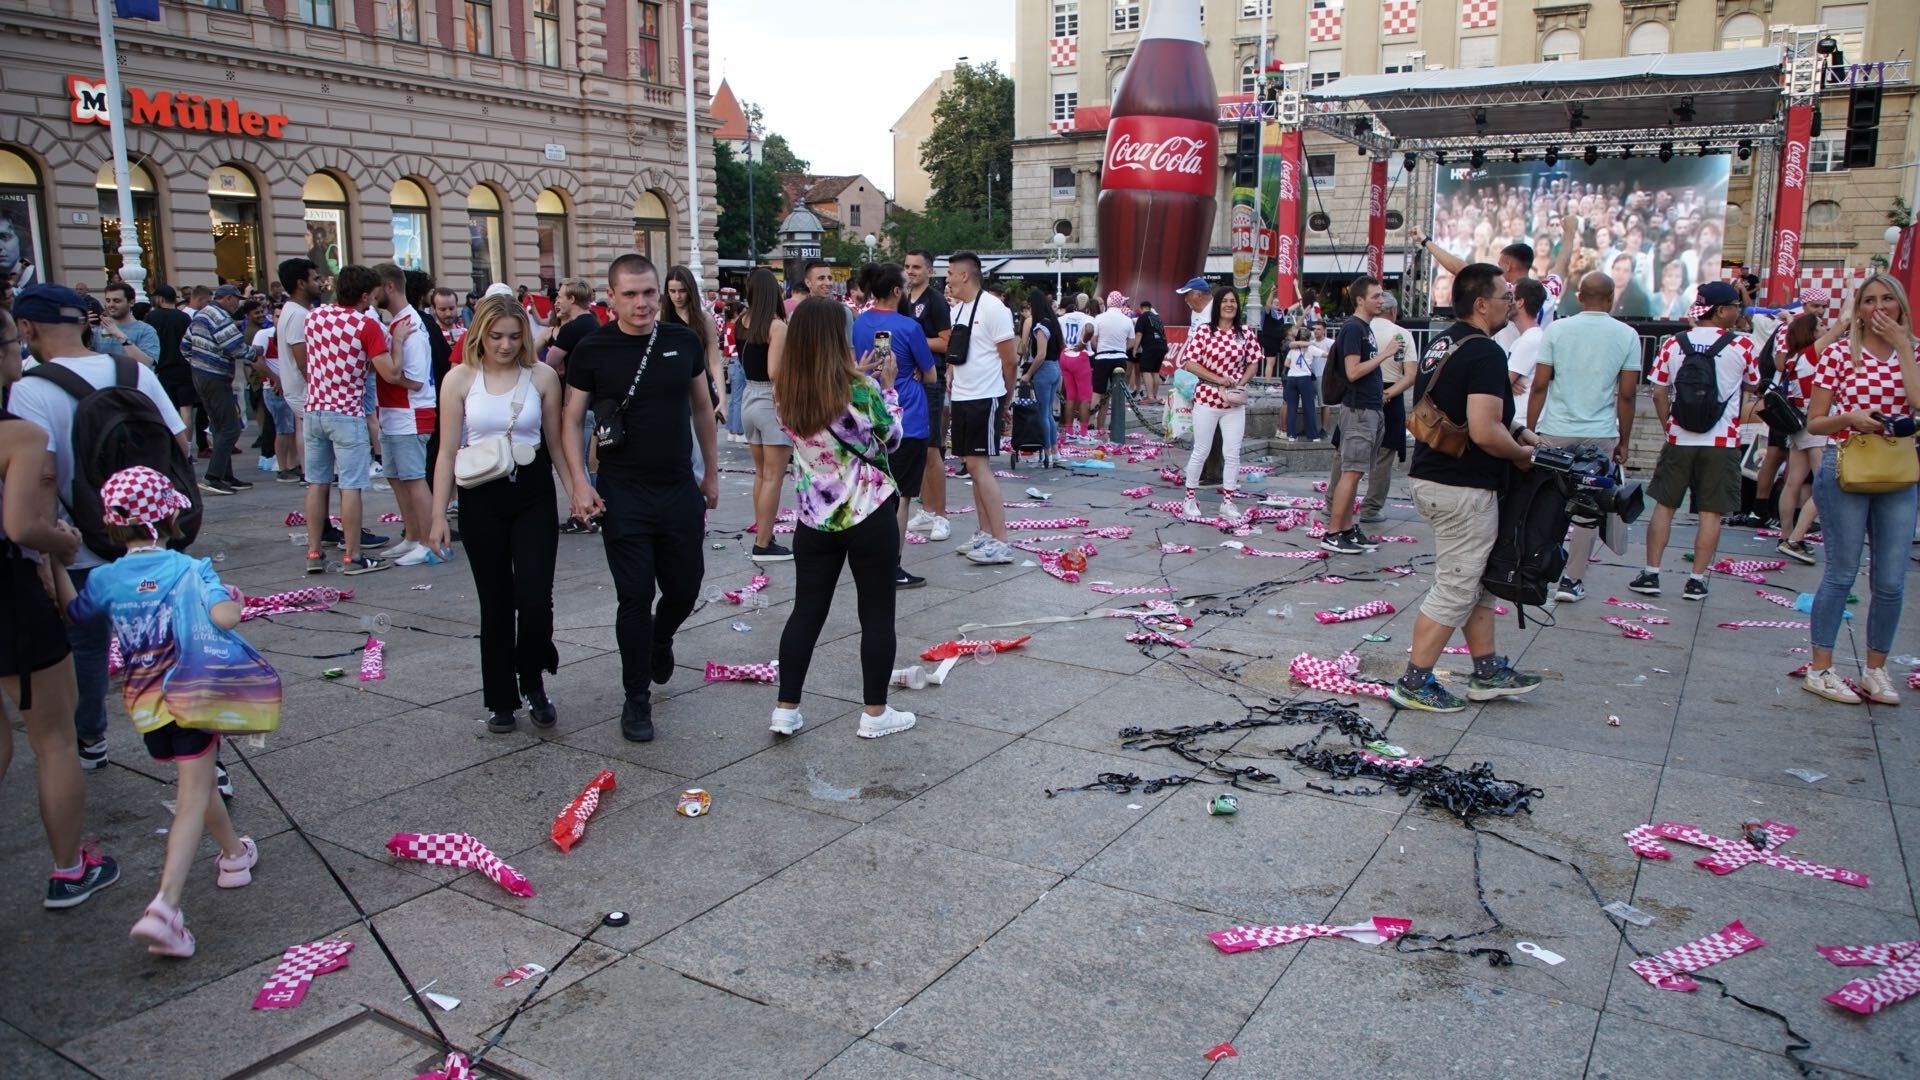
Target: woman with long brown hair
[
  {"x": 762, "y": 333},
  {"x": 508, "y": 525},
  {"x": 843, "y": 425}
]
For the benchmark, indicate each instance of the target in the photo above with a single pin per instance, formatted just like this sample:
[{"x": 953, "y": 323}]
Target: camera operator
[
  {"x": 1458, "y": 495},
  {"x": 1583, "y": 389}
]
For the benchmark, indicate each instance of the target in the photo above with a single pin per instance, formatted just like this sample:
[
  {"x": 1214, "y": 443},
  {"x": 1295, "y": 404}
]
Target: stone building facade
[{"x": 521, "y": 141}]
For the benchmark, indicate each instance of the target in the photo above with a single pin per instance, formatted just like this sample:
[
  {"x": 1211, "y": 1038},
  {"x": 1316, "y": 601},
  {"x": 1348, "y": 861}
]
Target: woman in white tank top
[{"x": 512, "y": 530}]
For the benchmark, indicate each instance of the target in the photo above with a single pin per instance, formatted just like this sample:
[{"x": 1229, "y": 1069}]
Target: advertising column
[
  {"x": 1783, "y": 284},
  {"x": 1282, "y": 278},
  {"x": 1376, "y": 261}
]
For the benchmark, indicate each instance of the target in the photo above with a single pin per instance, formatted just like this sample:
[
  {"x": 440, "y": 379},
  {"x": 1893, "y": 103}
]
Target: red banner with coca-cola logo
[
  {"x": 1160, "y": 153},
  {"x": 1376, "y": 261},
  {"x": 1285, "y": 241},
  {"x": 1789, "y": 206},
  {"x": 1906, "y": 261}
]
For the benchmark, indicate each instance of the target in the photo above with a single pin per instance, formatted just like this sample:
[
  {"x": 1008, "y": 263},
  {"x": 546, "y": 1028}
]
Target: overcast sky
[{"x": 834, "y": 77}]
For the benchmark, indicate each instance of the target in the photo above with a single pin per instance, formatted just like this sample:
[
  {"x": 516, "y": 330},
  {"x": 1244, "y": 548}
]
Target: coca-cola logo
[
  {"x": 1376, "y": 260},
  {"x": 1289, "y": 180},
  {"x": 1793, "y": 171},
  {"x": 1786, "y": 258},
  {"x": 1283, "y": 256},
  {"x": 1376, "y": 200},
  {"x": 1176, "y": 154}
]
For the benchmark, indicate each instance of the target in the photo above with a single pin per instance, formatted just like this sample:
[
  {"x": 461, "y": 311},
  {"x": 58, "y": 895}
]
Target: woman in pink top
[
  {"x": 1222, "y": 355},
  {"x": 1865, "y": 384}
]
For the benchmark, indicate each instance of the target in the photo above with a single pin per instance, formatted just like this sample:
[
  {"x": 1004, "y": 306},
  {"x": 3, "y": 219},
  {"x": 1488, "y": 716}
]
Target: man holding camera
[{"x": 1456, "y": 477}]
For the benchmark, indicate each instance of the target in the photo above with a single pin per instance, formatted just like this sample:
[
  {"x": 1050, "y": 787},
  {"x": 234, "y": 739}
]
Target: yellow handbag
[{"x": 1876, "y": 464}]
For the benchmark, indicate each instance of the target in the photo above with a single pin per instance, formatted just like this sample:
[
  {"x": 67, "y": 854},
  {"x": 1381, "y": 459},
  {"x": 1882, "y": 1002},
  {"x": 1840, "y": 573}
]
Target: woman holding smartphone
[{"x": 882, "y": 331}]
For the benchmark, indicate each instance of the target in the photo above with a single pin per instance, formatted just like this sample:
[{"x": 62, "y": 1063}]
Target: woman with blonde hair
[
  {"x": 1865, "y": 384},
  {"x": 843, "y": 425},
  {"x": 509, "y": 531}
]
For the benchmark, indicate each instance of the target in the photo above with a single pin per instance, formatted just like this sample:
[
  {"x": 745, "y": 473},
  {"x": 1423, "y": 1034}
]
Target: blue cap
[
  {"x": 225, "y": 291},
  {"x": 1712, "y": 294},
  {"x": 1198, "y": 284},
  {"x": 49, "y": 303}
]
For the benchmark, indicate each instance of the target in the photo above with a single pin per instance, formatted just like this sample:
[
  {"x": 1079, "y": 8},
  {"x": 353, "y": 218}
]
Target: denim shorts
[
  {"x": 403, "y": 457},
  {"x": 284, "y": 421},
  {"x": 338, "y": 450}
]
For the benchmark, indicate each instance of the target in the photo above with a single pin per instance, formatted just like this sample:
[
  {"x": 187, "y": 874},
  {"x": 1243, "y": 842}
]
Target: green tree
[
  {"x": 942, "y": 232},
  {"x": 971, "y": 142},
  {"x": 775, "y": 154},
  {"x": 730, "y": 191}
]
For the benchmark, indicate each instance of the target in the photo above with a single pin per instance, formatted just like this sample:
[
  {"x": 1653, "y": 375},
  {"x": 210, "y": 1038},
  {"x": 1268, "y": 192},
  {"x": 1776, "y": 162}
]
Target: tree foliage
[
  {"x": 972, "y": 140},
  {"x": 730, "y": 191},
  {"x": 942, "y": 232}
]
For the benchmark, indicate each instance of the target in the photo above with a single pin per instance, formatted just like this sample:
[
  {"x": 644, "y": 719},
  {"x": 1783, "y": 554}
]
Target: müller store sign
[{"x": 172, "y": 109}]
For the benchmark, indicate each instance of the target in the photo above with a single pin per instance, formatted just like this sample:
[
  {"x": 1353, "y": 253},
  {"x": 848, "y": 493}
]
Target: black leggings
[
  {"x": 512, "y": 538},
  {"x": 872, "y": 548}
]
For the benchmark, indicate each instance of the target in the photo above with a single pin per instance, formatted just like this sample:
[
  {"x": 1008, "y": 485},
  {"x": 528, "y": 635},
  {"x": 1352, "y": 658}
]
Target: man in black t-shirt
[
  {"x": 171, "y": 366},
  {"x": 648, "y": 377},
  {"x": 1361, "y": 425},
  {"x": 923, "y": 303},
  {"x": 1459, "y": 495},
  {"x": 573, "y": 320}
]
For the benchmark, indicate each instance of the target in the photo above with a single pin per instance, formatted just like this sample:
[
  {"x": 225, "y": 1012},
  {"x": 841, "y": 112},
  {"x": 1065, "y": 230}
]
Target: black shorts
[
  {"x": 1776, "y": 439},
  {"x": 973, "y": 426},
  {"x": 31, "y": 635},
  {"x": 175, "y": 743},
  {"x": 1103, "y": 369},
  {"x": 179, "y": 387},
  {"x": 937, "y": 421},
  {"x": 909, "y": 465}
]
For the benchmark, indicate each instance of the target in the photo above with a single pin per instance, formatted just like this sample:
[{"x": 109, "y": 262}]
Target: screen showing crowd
[{"x": 1656, "y": 228}]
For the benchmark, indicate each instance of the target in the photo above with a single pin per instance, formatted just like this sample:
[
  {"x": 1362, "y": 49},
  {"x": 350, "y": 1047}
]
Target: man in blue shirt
[
  {"x": 886, "y": 284},
  {"x": 120, "y": 334},
  {"x": 214, "y": 345}
]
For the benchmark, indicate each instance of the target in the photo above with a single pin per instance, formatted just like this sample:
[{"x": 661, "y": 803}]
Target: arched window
[
  {"x": 328, "y": 233},
  {"x": 412, "y": 228},
  {"x": 1562, "y": 44},
  {"x": 146, "y": 218},
  {"x": 652, "y": 228},
  {"x": 23, "y": 236},
  {"x": 1743, "y": 31},
  {"x": 239, "y": 242},
  {"x": 486, "y": 227},
  {"x": 550, "y": 220},
  {"x": 1648, "y": 39},
  {"x": 1250, "y": 76}
]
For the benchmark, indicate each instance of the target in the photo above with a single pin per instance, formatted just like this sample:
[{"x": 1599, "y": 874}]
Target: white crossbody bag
[{"x": 497, "y": 456}]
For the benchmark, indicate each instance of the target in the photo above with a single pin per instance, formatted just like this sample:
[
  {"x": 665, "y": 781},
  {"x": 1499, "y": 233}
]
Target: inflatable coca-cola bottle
[{"x": 1162, "y": 163}]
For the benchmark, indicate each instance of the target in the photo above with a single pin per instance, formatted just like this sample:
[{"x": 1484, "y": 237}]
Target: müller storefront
[{"x": 299, "y": 141}]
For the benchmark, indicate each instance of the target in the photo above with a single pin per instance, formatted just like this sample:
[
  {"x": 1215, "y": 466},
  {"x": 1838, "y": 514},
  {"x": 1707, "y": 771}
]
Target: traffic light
[
  {"x": 1246, "y": 154},
  {"x": 1863, "y": 127}
]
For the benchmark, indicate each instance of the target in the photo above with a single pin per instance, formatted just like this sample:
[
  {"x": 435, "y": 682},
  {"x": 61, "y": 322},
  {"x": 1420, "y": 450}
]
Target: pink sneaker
[
  {"x": 237, "y": 872},
  {"x": 163, "y": 931}
]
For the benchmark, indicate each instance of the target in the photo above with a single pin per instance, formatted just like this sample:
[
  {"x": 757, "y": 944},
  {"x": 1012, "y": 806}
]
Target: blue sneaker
[
  {"x": 1430, "y": 697},
  {"x": 1505, "y": 682},
  {"x": 96, "y": 873}
]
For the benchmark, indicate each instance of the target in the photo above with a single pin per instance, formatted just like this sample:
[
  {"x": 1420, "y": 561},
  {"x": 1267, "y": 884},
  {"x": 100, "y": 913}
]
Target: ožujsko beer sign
[
  {"x": 175, "y": 109},
  {"x": 1159, "y": 153}
]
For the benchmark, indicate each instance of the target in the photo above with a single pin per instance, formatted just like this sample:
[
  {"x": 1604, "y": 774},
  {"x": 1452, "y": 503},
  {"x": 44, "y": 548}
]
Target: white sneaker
[
  {"x": 1229, "y": 511},
  {"x": 1830, "y": 686},
  {"x": 1880, "y": 687},
  {"x": 395, "y": 551},
  {"x": 887, "y": 723},
  {"x": 921, "y": 521},
  {"x": 1190, "y": 508},
  {"x": 978, "y": 539},
  {"x": 990, "y": 553},
  {"x": 788, "y": 721},
  {"x": 420, "y": 555},
  {"x": 377, "y": 470},
  {"x": 941, "y": 529}
]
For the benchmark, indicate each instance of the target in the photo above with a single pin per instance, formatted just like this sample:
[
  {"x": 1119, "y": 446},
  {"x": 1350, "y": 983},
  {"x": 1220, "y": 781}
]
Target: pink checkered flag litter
[
  {"x": 1765, "y": 624},
  {"x": 318, "y": 598},
  {"x": 455, "y": 1067},
  {"x": 1730, "y": 855},
  {"x": 1131, "y": 590},
  {"x": 287, "y": 986},
  {"x": 1900, "y": 980},
  {"x": 1749, "y": 570},
  {"x": 1110, "y": 532},
  {"x": 1369, "y": 610},
  {"x": 1154, "y": 637},
  {"x": 1632, "y": 605},
  {"x": 1176, "y": 549},
  {"x": 1774, "y": 598},
  {"x": 462, "y": 850},
  {"x": 1249, "y": 549},
  {"x": 1667, "y": 970},
  {"x": 761, "y": 673},
  {"x": 1047, "y": 523},
  {"x": 1376, "y": 931},
  {"x": 1630, "y": 630},
  {"x": 373, "y": 660},
  {"x": 1372, "y": 758},
  {"x": 759, "y": 582},
  {"x": 1140, "y": 492},
  {"x": 1334, "y": 676}
]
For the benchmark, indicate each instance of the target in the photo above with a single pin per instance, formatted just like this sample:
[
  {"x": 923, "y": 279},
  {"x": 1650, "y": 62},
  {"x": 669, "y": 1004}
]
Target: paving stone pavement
[{"x": 918, "y": 907}]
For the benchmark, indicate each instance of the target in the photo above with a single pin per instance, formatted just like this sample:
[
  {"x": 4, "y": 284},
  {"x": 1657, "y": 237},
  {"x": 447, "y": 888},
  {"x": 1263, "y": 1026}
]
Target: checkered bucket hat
[{"x": 140, "y": 496}]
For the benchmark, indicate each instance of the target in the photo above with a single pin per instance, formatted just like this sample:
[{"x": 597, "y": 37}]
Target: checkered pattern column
[
  {"x": 1400, "y": 17},
  {"x": 1324, "y": 24},
  {"x": 1478, "y": 13},
  {"x": 1063, "y": 52}
]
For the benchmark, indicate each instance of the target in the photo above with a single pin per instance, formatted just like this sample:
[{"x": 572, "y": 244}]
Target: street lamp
[
  {"x": 1057, "y": 257},
  {"x": 753, "y": 164},
  {"x": 870, "y": 240}
]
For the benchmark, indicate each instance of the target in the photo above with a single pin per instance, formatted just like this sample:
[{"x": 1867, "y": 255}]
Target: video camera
[{"x": 1594, "y": 486}]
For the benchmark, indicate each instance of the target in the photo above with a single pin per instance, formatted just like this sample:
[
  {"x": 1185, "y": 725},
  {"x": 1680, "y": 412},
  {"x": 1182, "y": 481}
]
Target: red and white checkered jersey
[
  {"x": 1874, "y": 386},
  {"x": 1738, "y": 364},
  {"x": 340, "y": 342},
  {"x": 404, "y": 411},
  {"x": 1225, "y": 354},
  {"x": 455, "y": 334}
]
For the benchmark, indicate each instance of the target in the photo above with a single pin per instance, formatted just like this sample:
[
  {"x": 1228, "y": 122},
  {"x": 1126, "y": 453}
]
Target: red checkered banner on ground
[
  {"x": 287, "y": 986},
  {"x": 1900, "y": 980},
  {"x": 1667, "y": 970},
  {"x": 1376, "y": 257},
  {"x": 1789, "y": 206}
]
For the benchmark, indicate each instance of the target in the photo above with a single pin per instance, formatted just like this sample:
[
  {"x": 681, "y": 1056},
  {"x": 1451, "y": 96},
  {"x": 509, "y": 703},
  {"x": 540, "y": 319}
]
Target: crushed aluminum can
[
  {"x": 518, "y": 975},
  {"x": 333, "y": 673},
  {"x": 1223, "y": 806},
  {"x": 694, "y": 802},
  {"x": 1755, "y": 832}
]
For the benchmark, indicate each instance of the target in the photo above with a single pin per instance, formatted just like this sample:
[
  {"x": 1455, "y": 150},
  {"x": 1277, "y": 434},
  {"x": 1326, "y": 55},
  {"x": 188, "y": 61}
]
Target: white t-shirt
[
  {"x": 1298, "y": 361},
  {"x": 1111, "y": 332},
  {"x": 49, "y": 406},
  {"x": 1317, "y": 352},
  {"x": 980, "y": 376},
  {"x": 1076, "y": 329},
  {"x": 262, "y": 343},
  {"x": 1385, "y": 330},
  {"x": 292, "y": 330},
  {"x": 1523, "y": 354}
]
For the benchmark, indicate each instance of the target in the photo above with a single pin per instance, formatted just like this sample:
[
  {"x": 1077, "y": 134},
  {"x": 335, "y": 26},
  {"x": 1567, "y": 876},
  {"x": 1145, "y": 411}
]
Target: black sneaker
[
  {"x": 96, "y": 873},
  {"x": 636, "y": 720},
  {"x": 331, "y": 536},
  {"x": 500, "y": 723},
  {"x": 93, "y": 753},
  {"x": 236, "y": 483},
  {"x": 662, "y": 662},
  {"x": 1429, "y": 697},
  {"x": 1370, "y": 543},
  {"x": 369, "y": 540},
  {"x": 1745, "y": 519},
  {"x": 1342, "y": 543},
  {"x": 541, "y": 711},
  {"x": 1696, "y": 589},
  {"x": 904, "y": 580},
  {"x": 288, "y": 476},
  {"x": 1570, "y": 591},
  {"x": 222, "y": 783},
  {"x": 365, "y": 564},
  {"x": 213, "y": 486},
  {"x": 573, "y": 526},
  {"x": 1648, "y": 583},
  {"x": 1504, "y": 682},
  {"x": 771, "y": 553}
]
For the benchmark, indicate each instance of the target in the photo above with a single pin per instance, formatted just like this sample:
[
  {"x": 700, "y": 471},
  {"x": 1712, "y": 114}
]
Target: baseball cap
[
  {"x": 1116, "y": 298},
  {"x": 49, "y": 303},
  {"x": 224, "y": 291},
  {"x": 140, "y": 496},
  {"x": 1716, "y": 294},
  {"x": 1198, "y": 284}
]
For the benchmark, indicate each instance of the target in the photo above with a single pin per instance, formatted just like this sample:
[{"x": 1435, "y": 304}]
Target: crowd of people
[{"x": 474, "y": 413}]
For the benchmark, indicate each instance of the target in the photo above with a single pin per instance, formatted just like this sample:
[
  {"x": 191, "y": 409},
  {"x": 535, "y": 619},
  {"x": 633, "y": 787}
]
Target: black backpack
[
  {"x": 1334, "y": 381},
  {"x": 1153, "y": 335},
  {"x": 116, "y": 428},
  {"x": 1697, "y": 404},
  {"x": 1527, "y": 557}
]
